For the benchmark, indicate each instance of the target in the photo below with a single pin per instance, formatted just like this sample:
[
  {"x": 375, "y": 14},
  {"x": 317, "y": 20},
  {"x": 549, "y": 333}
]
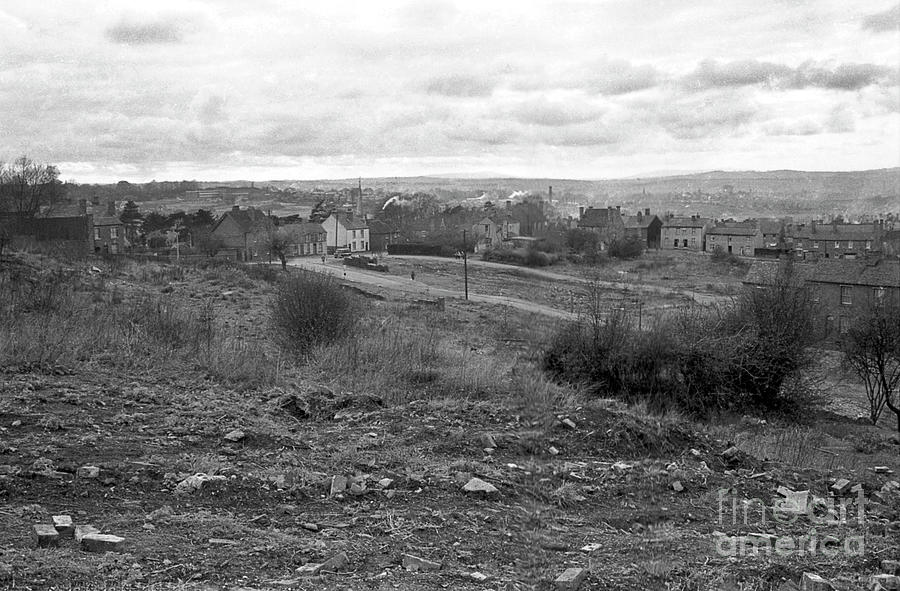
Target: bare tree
[
  {"x": 26, "y": 186},
  {"x": 279, "y": 244},
  {"x": 872, "y": 349}
]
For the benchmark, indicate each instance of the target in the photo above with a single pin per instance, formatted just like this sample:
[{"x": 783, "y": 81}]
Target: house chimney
[
  {"x": 508, "y": 204},
  {"x": 550, "y": 194},
  {"x": 580, "y": 211},
  {"x": 235, "y": 208},
  {"x": 111, "y": 208},
  {"x": 618, "y": 209},
  {"x": 639, "y": 215},
  {"x": 647, "y": 211}
]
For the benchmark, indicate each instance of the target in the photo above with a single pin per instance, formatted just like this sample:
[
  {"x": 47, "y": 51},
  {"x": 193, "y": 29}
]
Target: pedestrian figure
[
  {"x": 412, "y": 275},
  {"x": 323, "y": 259}
]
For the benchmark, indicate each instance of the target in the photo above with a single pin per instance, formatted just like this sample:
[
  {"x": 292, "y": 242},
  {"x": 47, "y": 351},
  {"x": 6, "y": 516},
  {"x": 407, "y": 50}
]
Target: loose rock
[
  {"x": 571, "y": 579},
  {"x": 813, "y": 582},
  {"x": 192, "y": 484},
  {"x": 414, "y": 563},
  {"x": 840, "y": 487},
  {"x": 338, "y": 485},
  {"x": 88, "y": 472},
  {"x": 477, "y": 485},
  {"x": 235, "y": 436}
]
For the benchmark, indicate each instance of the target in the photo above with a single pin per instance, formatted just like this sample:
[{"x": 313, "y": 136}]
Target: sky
[{"x": 226, "y": 89}]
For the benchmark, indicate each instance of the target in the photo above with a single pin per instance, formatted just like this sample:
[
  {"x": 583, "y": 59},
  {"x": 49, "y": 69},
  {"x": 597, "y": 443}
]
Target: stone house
[
  {"x": 644, "y": 227},
  {"x": 307, "y": 239},
  {"x": 246, "y": 232},
  {"x": 738, "y": 239},
  {"x": 685, "y": 233},
  {"x": 836, "y": 240},
  {"x": 489, "y": 233}
]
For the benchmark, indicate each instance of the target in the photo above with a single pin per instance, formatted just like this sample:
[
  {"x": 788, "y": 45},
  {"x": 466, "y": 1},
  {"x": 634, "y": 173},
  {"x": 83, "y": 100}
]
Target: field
[{"x": 147, "y": 371}]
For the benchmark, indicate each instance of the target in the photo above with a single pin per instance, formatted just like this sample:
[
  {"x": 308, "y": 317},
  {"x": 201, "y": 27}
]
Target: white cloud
[{"x": 196, "y": 86}]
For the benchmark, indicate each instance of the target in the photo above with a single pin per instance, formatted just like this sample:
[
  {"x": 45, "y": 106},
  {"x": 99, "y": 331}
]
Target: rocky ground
[{"x": 299, "y": 481}]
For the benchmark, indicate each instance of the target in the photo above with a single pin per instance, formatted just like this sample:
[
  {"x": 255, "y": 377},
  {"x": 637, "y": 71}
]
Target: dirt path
[
  {"x": 420, "y": 288},
  {"x": 697, "y": 296}
]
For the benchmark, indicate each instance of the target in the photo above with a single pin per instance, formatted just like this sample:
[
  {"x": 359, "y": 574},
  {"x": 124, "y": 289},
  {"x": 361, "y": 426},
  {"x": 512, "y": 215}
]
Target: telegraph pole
[{"x": 466, "y": 264}]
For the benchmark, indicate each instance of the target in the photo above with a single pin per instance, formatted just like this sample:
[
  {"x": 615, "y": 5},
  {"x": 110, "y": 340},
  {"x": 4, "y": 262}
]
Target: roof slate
[{"x": 878, "y": 273}]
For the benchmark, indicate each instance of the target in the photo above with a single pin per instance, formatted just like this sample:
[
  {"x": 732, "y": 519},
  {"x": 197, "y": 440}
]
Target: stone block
[
  {"x": 64, "y": 526},
  {"x": 83, "y": 530},
  {"x": 571, "y": 579},
  {"x": 47, "y": 536},
  {"x": 840, "y": 487},
  {"x": 102, "y": 543}
]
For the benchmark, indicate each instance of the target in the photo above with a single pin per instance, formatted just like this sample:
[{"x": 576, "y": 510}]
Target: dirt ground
[{"x": 638, "y": 501}]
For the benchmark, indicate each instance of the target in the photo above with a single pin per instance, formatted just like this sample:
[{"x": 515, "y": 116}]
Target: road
[
  {"x": 699, "y": 297},
  {"x": 418, "y": 288}
]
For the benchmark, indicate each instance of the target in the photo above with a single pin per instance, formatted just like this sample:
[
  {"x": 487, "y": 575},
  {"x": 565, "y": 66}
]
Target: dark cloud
[
  {"x": 712, "y": 74},
  {"x": 843, "y": 77},
  {"x": 460, "y": 86},
  {"x": 889, "y": 20},
  {"x": 145, "y": 33}
]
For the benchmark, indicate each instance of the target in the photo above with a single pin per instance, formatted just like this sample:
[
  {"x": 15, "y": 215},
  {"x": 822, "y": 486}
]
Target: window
[
  {"x": 684, "y": 242},
  {"x": 849, "y": 244},
  {"x": 843, "y": 325},
  {"x": 878, "y": 293},
  {"x": 816, "y": 244},
  {"x": 676, "y": 243},
  {"x": 837, "y": 244},
  {"x": 113, "y": 233},
  {"x": 354, "y": 233},
  {"x": 846, "y": 295},
  {"x": 693, "y": 242},
  {"x": 694, "y": 231},
  {"x": 96, "y": 233},
  {"x": 868, "y": 245}
]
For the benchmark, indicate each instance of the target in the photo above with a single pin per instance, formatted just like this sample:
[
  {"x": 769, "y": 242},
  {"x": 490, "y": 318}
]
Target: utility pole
[
  {"x": 335, "y": 232},
  {"x": 466, "y": 264}
]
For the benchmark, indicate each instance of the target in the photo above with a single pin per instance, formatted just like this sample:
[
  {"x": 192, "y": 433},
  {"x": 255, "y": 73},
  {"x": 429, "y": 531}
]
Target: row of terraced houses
[{"x": 747, "y": 238}]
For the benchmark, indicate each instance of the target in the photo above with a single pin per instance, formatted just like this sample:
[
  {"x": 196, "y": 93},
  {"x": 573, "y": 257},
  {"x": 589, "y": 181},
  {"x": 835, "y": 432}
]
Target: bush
[
  {"x": 531, "y": 257},
  {"x": 310, "y": 309},
  {"x": 699, "y": 360},
  {"x": 626, "y": 248}
]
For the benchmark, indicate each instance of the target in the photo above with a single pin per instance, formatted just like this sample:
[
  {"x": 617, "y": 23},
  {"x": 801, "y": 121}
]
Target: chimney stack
[
  {"x": 235, "y": 208},
  {"x": 580, "y": 211},
  {"x": 647, "y": 211},
  {"x": 550, "y": 194}
]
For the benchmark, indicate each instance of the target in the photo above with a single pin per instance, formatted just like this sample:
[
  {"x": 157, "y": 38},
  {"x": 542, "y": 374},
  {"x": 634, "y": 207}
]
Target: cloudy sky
[{"x": 228, "y": 89}]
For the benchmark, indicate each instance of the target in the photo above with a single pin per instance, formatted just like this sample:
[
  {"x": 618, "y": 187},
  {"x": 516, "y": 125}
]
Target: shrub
[
  {"x": 630, "y": 247},
  {"x": 310, "y": 309},
  {"x": 699, "y": 360}
]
